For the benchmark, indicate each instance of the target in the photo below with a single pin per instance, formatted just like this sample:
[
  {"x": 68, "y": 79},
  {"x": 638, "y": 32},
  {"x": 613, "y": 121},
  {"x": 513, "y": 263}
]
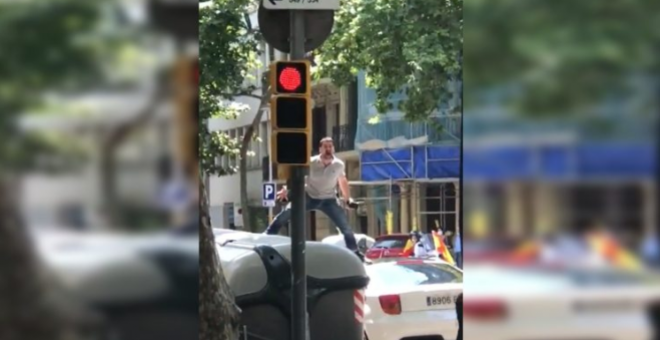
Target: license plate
[{"x": 441, "y": 300}]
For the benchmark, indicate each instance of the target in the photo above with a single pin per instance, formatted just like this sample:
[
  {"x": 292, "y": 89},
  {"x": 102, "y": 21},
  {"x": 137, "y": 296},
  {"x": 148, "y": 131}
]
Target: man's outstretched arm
[{"x": 343, "y": 187}]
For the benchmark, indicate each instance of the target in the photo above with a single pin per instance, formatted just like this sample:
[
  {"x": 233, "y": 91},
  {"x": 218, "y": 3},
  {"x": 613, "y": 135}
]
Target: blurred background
[
  {"x": 98, "y": 169},
  {"x": 560, "y": 188},
  {"x": 560, "y": 136},
  {"x": 99, "y": 102}
]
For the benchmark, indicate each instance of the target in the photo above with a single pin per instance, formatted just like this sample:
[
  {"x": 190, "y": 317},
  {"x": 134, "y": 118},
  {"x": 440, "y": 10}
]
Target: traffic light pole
[{"x": 299, "y": 318}]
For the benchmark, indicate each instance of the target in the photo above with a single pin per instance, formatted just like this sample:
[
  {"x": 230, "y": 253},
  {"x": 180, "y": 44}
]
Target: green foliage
[
  {"x": 561, "y": 55},
  {"x": 44, "y": 47},
  {"x": 409, "y": 46},
  {"x": 228, "y": 52}
]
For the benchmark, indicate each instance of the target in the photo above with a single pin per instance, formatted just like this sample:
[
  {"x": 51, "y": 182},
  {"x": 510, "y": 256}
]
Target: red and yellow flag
[
  {"x": 408, "y": 249},
  {"x": 527, "y": 251},
  {"x": 614, "y": 253},
  {"x": 441, "y": 248}
]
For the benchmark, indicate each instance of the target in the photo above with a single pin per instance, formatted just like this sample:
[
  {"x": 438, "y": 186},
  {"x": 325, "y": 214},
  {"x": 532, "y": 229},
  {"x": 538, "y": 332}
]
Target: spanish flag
[
  {"x": 408, "y": 249},
  {"x": 389, "y": 222},
  {"x": 526, "y": 251},
  {"x": 614, "y": 253},
  {"x": 441, "y": 248}
]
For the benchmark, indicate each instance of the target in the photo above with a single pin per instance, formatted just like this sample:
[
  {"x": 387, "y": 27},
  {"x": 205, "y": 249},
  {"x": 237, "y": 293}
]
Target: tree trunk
[
  {"x": 27, "y": 308},
  {"x": 242, "y": 168},
  {"x": 218, "y": 314},
  {"x": 110, "y": 145},
  {"x": 107, "y": 176}
]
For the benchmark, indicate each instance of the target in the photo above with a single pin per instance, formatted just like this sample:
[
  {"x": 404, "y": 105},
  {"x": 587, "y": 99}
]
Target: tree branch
[
  {"x": 245, "y": 145},
  {"x": 247, "y": 137},
  {"x": 126, "y": 128}
]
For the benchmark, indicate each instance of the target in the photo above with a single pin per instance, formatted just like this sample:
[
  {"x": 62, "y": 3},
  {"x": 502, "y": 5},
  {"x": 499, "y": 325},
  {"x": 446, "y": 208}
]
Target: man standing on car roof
[{"x": 325, "y": 172}]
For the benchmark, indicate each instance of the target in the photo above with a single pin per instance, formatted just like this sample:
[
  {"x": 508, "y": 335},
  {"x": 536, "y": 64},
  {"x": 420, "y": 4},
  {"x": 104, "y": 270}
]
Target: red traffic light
[{"x": 290, "y": 78}]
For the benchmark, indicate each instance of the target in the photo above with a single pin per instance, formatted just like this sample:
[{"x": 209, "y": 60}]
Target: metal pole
[
  {"x": 299, "y": 322},
  {"x": 461, "y": 198},
  {"x": 270, "y": 167}
]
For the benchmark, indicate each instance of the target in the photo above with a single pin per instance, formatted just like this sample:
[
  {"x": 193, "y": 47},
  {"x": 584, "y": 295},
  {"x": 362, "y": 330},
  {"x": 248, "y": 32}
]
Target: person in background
[
  {"x": 458, "y": 249},
  {"x": 651, "y": 250},
  {"x": 419, "y": 249}
]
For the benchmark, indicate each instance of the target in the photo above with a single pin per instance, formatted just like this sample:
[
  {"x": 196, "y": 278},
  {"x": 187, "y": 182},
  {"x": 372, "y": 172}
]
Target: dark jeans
[
  {"x": 330, "y": 207},
  {"x": 458, "y": 258},
  {"x": 459, "y": 316}
]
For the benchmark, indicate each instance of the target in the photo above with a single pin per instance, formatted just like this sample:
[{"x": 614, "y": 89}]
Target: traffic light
[
  {"x": 291, "y": 112},
  {"x": 291, "y": 77}
]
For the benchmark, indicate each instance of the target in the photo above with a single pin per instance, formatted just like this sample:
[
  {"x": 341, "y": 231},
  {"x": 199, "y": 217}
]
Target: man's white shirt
[
  {"x": 420, "y": 250},
  {"x": 321, "y": 183}
]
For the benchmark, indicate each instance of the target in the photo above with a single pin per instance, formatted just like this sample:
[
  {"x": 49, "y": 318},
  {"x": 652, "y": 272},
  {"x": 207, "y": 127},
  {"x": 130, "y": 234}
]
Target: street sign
[
  {"x": 275, "y": 26},
  {"x": 268, "y": 195},
  {"x": 302, "y": 4}
]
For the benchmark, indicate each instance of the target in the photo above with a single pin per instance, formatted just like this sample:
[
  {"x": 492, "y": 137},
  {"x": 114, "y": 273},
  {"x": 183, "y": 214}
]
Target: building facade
[
  {"x": 420, "y": 200},
  {"x": 525, "y": 177}
]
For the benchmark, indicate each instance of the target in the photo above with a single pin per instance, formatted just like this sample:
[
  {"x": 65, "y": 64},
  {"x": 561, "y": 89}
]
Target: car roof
[{"x": 392, "y": 236}]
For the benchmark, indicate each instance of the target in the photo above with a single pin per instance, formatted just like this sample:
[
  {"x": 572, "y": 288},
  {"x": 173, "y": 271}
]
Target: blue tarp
[
  {"x": 410, "y": 162},
  {"x": 551, "y": 162}
]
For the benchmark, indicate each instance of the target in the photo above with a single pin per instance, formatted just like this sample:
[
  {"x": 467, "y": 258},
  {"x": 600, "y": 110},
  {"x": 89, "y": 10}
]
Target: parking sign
[{"x": 268, "y": 195}]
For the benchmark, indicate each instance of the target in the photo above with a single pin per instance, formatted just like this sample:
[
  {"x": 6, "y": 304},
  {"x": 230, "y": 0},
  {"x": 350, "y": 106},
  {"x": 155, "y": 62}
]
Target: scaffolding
[
  {"x": 420, "y": 193},
  {"x": 406, "y": 204}
]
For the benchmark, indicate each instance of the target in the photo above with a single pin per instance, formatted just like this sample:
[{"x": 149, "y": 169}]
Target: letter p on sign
[{"x": 268, "y": 195}]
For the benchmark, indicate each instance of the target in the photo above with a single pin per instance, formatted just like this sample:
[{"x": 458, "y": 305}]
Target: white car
[
  {"x": 412, "y": 298},
  {"x": 531, "y": 302},
  {"x": 364, "y": 242}
]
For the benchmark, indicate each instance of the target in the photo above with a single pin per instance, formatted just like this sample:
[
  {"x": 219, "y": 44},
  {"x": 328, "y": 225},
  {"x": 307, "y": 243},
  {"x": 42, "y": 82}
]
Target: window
[
  {"x": 439, "y": 206},
  {"x": 264, "y": 135},
  {"x": 253, "y": 157},
  {"x": 263, "y": 59},
  {"x": 233, "y": 160},
  {"x": 391, "y": 243},
  {"x": 614, "y": 206},
  {"x": 271, "y": 54},
  {"x": 257, "y": 149}
]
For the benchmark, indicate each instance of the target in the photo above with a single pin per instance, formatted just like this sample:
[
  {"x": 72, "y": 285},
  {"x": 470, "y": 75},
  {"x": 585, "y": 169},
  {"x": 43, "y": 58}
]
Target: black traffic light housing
[
  {"x": 291, "y": 147},
  {"x": 291, "y": 112}
]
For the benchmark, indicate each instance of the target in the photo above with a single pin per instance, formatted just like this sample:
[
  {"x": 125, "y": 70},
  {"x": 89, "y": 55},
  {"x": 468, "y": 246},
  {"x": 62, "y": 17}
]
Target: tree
[
  {"x": 219, "y": 315},
  {"x": 411, "y": 47},
  {"x": 228, "y": 50},
  {"x": 46, "y": 54},
  {"x": 561, "y": 56},
  {"x": 228, "y": 54}
]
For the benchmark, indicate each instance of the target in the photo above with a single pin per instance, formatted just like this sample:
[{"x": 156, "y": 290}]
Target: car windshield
[
  {"x": 412, "y": 275},
  {"x": 390, "y": 243}
]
